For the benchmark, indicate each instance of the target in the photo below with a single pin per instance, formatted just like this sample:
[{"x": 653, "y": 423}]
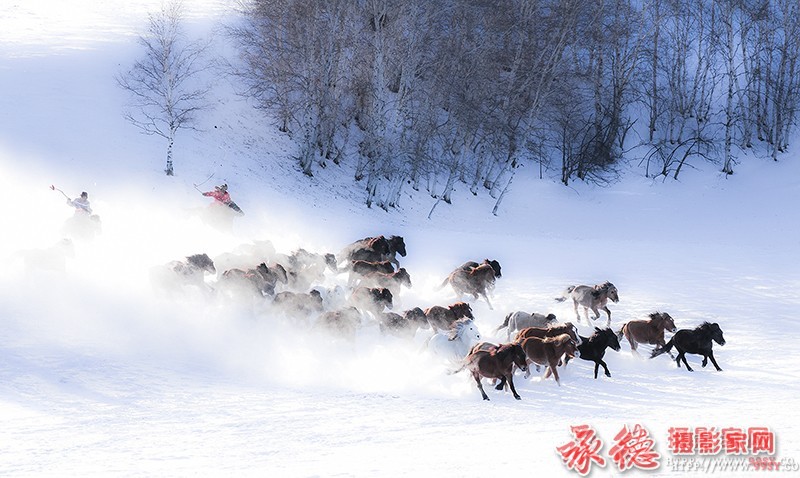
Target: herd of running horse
[{"x": 375, "y": 277}]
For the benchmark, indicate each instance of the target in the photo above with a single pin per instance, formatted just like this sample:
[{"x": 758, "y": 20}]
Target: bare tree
[{"x": 163, "y": 85}]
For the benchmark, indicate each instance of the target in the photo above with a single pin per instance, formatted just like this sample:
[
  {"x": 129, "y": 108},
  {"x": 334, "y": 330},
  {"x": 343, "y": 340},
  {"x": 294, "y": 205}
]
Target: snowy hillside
[{"x": 100, "y": 374}]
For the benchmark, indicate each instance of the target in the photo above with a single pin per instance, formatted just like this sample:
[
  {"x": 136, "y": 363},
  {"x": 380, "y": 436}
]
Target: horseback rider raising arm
[
  {"x": 220, "y": 194},
  {"x": 81, "y": 204}
]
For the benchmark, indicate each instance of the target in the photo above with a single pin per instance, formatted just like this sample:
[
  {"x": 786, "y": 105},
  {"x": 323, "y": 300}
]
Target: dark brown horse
[
  {"x": 442, "y": 318},
  {"x": 697, "y": 341},
  {"x": 496, "y": 363},
  {"x": 404, "y": 325},
  {"x": 362, "y": 268},
  {"x": 393, "y": 281},
  {"x": 477, "y": 281},
  {"x": 374, "y": 249},
  {"x": 372, "y": 300},
  {"x": 491, "y": 262},
  {"x": 650, "y": 331}
]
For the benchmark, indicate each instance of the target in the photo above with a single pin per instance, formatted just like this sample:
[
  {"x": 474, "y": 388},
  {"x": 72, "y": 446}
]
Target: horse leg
[
  {"x": 608, "y": 323},
  {"x": 477, "y": 378},
  {"x": 511, "y": 384},
  {"x": 553, "y": 368},
  {"x": 596, "y": 367},
  {"x": 577, "y": 314},
  {"x": 682, "y": 356},
  {"x": 634, "y": 345},
  {"x": 711, "y": 356},
  {"x": 501, "y": 384},
  {"x": 596, "y": 313},
  {"x": 487, "y": 301},
  {"x": 605, "y": 367}
]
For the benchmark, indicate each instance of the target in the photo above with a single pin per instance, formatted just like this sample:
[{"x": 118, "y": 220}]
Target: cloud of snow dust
[{"x": 102, "y": 293}]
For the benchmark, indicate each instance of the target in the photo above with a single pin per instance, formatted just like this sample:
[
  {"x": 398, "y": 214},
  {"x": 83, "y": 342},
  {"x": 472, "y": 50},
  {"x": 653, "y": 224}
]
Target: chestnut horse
[
  {"x": 441, "y": 318},
  {"x": 650, "y": 331},
  {"x": 548, "y": 351}
]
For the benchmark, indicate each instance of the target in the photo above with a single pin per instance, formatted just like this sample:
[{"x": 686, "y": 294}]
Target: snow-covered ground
[{"x": 101, "y": 375}]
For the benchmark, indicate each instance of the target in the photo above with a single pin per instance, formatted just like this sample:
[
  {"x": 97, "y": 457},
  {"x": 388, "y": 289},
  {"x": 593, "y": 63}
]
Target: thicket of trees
[{"x": 430, "y": 93}]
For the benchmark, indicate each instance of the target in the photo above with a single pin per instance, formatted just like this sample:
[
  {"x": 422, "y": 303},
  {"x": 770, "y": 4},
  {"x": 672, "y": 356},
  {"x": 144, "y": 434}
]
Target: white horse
[
  {"x": 456, "y": 344},
  {"x": 516, "y": 321}
]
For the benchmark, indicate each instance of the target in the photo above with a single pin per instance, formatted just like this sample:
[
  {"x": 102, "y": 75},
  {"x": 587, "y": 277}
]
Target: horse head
[
  {"x": 610, "y": 338},
  {"x": 398, "y": 244},
  {"x": 415, "y": 315},
  {"x": 517, "y": 355},
  {"x": 495, "y": 267},
  {"x": 462, "y": 309},
  {"x": 404, "y": 277},
  {"x": 611, "y": 291},
  {"x": 572, "y": 331},
  {"x": 464, "y": 329},
  {"x": 668, "y": 322},
  {"x": 715, "y": 332}
]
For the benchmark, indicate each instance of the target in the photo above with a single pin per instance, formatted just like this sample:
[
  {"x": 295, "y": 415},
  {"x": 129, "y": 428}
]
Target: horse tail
[
  {"x": 443, "y": 284},
  {"x": 504, "y": 324},
  {"x": 621, "y": 332},
  {"x": 464, "y": 364},
  {"x": 567, "y": 292},
  {"x": 666, "y": 348}
]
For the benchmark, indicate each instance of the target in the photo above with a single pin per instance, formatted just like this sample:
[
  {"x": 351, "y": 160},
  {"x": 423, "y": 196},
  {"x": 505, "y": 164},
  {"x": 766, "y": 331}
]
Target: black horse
[
  {"x": 696, "y": 341},
  {"x": 593, "y": 348}
]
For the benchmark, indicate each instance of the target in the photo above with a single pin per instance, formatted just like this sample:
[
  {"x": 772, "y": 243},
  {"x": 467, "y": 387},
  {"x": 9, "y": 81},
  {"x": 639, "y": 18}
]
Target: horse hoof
[
  {"x": 608, "y": 374},
  {"x": 486, "y": 398},
  {"x": 517, "y": 397}
]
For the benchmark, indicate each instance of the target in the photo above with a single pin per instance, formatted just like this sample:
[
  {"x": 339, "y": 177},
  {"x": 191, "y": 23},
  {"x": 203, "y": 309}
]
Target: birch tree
[{"x": 165, "y": 85}]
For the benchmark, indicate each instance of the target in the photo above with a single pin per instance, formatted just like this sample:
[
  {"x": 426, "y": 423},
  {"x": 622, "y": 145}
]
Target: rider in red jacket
[{"x": 220, "y": 194}]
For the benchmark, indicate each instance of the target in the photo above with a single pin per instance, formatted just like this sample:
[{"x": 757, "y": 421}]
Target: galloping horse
[
  {"x": 519, "y": 320},
  {"x": 593, "y": 348},
  {"x": 591, "y": 297},
  {"x": 696, "y": 341},
  {"x": 457, "y": 343},
  {"x": 496, "y": 363},
  {"x": 650, "y": 331}
]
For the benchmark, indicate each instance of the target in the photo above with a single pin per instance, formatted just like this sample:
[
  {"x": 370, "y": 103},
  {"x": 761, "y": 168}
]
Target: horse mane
[{"x": 456, "y": 328}]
